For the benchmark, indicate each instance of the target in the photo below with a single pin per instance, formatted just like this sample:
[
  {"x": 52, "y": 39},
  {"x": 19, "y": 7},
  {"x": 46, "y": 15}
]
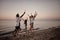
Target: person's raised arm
[
  {"x": 35, "y": 14},
  {"x": 22, "y": 15}
]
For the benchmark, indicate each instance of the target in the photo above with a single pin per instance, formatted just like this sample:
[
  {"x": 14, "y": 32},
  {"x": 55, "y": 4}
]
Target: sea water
[{"x": 9, "y": 25}]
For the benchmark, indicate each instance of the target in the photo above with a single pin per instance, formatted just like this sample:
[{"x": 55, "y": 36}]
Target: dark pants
[
  {"x": 17, "y": 27},
  {"x": 25, "y": 22},
  {"x": 25, "y": 26}
]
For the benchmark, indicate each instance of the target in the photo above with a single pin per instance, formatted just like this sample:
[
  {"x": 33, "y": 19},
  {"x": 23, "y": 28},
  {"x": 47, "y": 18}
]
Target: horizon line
[{"x": 35, "y": 19}]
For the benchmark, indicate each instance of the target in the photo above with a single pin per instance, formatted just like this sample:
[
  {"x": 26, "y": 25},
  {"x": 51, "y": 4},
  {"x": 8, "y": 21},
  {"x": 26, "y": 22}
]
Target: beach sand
[{"x": 46, "y": 34}]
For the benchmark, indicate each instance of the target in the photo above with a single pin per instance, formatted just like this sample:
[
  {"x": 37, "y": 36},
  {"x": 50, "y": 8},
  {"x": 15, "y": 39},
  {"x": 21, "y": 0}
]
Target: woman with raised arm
[
  {"x": 18, "y": 19},
  {"x": 32, "y": 17}
]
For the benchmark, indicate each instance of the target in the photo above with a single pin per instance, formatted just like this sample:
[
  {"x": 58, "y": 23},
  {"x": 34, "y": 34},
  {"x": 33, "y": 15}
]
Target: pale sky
[{"x": 46, "y": 9}]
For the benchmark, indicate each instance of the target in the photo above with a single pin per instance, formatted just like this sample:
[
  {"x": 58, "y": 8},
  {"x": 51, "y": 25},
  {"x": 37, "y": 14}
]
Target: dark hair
[{"x": 17, "y": 15}]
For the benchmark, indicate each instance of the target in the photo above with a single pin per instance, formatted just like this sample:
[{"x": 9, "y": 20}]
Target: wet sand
[{"x": 46, "y": 34}]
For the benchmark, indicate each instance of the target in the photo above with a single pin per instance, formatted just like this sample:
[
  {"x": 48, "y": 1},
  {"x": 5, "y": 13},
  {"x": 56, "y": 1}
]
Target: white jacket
[{"x": 17, "y": 21}]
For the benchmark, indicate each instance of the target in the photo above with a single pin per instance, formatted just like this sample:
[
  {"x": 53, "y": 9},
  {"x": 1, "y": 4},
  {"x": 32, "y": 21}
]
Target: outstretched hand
[
  {"x": 35, "y": 14},
  {"x": 22, "y": 15}
]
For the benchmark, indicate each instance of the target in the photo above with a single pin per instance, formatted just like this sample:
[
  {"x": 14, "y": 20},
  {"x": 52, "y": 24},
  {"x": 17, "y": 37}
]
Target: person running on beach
[
  {"x": 25, "y": 22},
  {"x": 18, "y": 19},
  {"x": 32, "y": 17}
]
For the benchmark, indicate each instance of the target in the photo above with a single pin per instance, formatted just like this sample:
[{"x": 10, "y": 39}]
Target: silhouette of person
[
  {"x": 17, "y": 22},
  {"x": 25, "y": 22},
  {"x": 32, "y": 17},
  {"x": 18, "y": 19}
]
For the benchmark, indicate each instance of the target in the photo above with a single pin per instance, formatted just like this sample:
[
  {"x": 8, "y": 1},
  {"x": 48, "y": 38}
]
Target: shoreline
[{"x": 46, "y": 34}]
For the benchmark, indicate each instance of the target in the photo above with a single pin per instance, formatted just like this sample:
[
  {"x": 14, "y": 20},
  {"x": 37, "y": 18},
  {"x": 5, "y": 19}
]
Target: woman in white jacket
[{"x": 18, "y": 19}]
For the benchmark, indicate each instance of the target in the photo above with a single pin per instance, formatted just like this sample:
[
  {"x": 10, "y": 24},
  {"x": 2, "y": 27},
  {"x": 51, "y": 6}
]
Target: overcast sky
[{"x": 46, "y": 9}]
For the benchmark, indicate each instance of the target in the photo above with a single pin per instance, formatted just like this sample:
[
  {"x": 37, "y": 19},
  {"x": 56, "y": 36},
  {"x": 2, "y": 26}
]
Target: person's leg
[
  {"x": 25, "y": 27},
  {"x": 15, "y": 31},
  {"x": 16, "y": 28},
  {"x": 19, "y": 26},
  {"x": 30, "y": 26}
]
